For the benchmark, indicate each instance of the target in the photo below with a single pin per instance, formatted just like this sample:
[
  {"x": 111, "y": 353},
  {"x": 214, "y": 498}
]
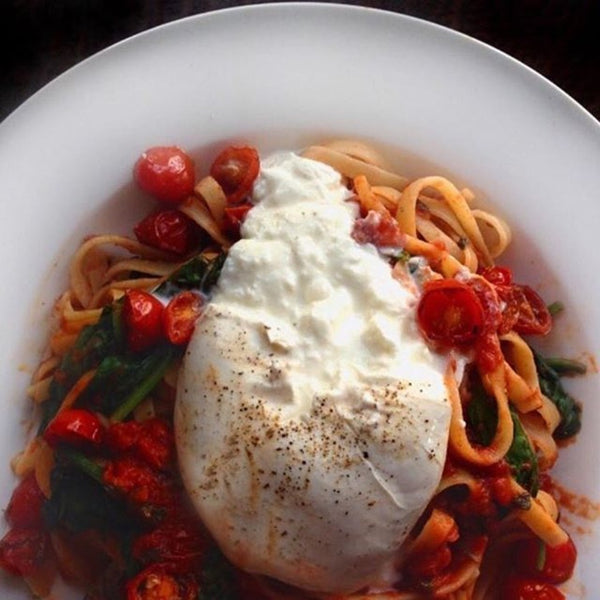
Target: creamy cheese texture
[{"x": 311, "y": 419}]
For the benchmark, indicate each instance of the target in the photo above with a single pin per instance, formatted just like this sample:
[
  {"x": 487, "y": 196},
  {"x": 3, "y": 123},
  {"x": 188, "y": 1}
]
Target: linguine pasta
[{"x": 437, "y": 222}]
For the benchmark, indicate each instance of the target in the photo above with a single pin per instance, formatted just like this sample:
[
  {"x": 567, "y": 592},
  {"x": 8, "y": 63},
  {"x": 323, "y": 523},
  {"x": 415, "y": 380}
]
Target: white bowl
[{"x": 283, "y": 76}]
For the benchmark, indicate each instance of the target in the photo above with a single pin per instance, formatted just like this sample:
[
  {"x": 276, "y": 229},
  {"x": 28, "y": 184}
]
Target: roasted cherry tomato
[
  {"x": 450, "y": 313},
  {"x": 510, "y": 308},
  {"x": 151, "y": 441},
  {"x": 142, "y": 316},
  {"x": 234, "y": 216},
  {"x": 490, "y": 303},
  {"x": 156, "y": 582},
  {"x": 235, "y": 169},
  {"x": 497, "y": 275},
  {"x": 142, "y": 485},
  {"x": 75, "y": 426},
  {"x": 517, "y": 588},
  {"x": 180, "y": 315},
  {"x": 553, "y": 564},
  {"x": 168, "y": 230},
  {"x": 23, "y": 550},
  {"x": 379, "y": 229},
  {"x": 534, "y": 316},
  {"x": 178, "y": 540},
  {"x": 166, "y": 172},
  {"x": 25, "y": 506}
]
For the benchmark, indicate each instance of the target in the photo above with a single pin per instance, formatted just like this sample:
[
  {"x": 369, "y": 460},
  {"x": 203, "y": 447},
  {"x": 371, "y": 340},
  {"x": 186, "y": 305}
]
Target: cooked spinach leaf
[
  {"x": 199, "y": 273},
  {"x": 551, "y": 386},
  {"x": 217, "y": 581},
  {"x": 80, "y": 502},
  {"x": 93, "y": 344},
  {"x": 522, "y": 458},
  {"x": 565, "y": 367},
  {"x": 122, "y": 381},
  {"x": 482, "y": 415}
]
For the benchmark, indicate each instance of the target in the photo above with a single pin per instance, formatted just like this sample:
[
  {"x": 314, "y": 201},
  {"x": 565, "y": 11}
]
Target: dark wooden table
[{"x": 558, "y": 38}]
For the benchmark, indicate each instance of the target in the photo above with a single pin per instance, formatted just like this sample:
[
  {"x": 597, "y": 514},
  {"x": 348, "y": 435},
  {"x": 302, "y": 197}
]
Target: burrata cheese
[{"x": 311, "y": 418}]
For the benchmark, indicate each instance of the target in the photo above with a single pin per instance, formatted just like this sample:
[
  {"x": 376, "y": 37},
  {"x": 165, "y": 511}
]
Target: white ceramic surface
[{"x": 282, "y": 76}]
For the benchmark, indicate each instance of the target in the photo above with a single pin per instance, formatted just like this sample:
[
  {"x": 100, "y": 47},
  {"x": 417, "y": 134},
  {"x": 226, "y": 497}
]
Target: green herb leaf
[{"x": 555, "y": 308}]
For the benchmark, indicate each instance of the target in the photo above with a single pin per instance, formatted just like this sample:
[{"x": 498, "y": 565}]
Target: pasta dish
[{"x": 303, "y": 376}]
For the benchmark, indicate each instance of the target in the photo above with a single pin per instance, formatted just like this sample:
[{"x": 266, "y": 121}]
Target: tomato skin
[
  {"x": 168, "y": 230},
  {"x": 524, "y": 310},
  {"x": 559, "y": 561},
  {"x": 142, "y": 316},
  {"x": 177, "y": 540},
  {"x": 450, "y": 313},
  {"x": 529, "y": 589},
  {"x": 142, "y": 485},
  {"x": 180, "y": 315},
  {"x": 233, "y": 218},
  {"x": 379, "y": 229},
  {"x": 165, "y": 172},
  {"x": 75, "y": 426},
  {"x": 22, "y": 550},
  {"x": 235, "y": 169},
  {"x": 156, "y": 582},
  {"x": 534, "y": 317},
  {"x": 151, "y": 441},
  {"x": 486, "y": 293},
  {"x": 497, "y": 275},
  {"x": 25, "y": 506}
]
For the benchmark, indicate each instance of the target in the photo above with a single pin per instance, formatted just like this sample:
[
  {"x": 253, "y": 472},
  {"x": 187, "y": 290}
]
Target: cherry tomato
[
  {"x": 22, "y": 550},
  {"x": 553, "y": 564},
  {"x": 180, "y": 315},
  {"x": 166, "y": 172},
  {"x": 178, "y": 540},
  {"x": 497, "y": 275},
  {"x": 534, "y": 317},
  {"x": 235, "y": 169},
  {"x": 379, "y": 229},
  {"x": 529, "y": 589},
  {"x": 75, "y": 426},
  {"x": 143, "y": 486},
  {"x": 168, "y": 230},
  {"x": 151, "y": 441},
  {"x": 490, "y": 303},
  {"x": 142, "y": 316},
  {"x": 510, "y": 308},
  {"x": 156, "y": 582},
  {"x": 25, "y": 506},
  {"x": 234, "y": 217},
  {"x": 450, "y": 313}
]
